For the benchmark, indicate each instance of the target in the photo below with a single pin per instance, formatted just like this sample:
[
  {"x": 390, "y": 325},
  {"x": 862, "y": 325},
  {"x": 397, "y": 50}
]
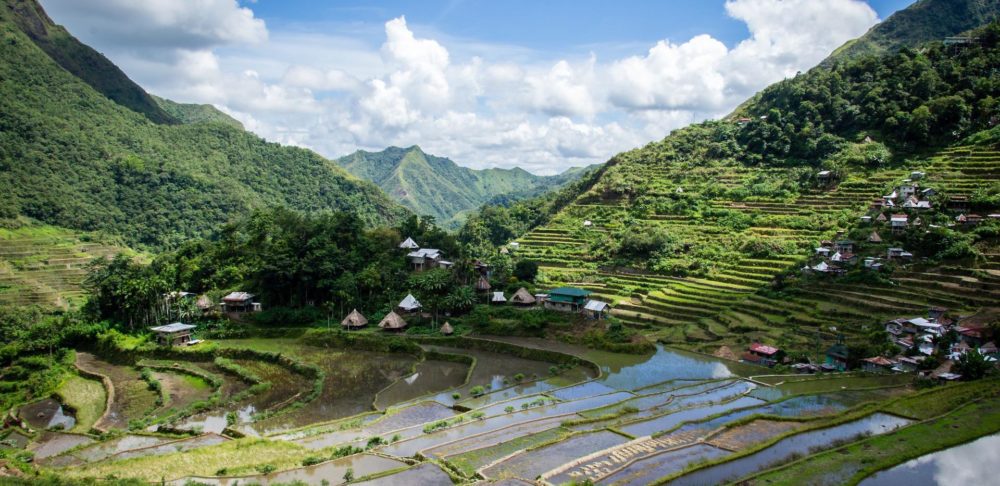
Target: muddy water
[
  {"x": 422, "y": 474},
  {"x": 133, "y": 399},
  {"x": 52, "y": 443},
  {"x": 430, "y": 377},
  {"x": 971, "y": 463},
  {"x": 215, "y": 421},
  {"x": 47, "y": 414},
  {"x": 797, "y": 444},
  {"x": 532, "y": 463},
  {"x": 644, "y": 472},
  {"x": 492, "y": 371},
  {"x": 182, "y": 389},
  {"x": 331, "y": 472}
]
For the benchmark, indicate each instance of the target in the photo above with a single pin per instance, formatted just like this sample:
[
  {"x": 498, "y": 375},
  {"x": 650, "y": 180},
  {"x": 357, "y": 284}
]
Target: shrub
[{"x": 477, "y": 391}]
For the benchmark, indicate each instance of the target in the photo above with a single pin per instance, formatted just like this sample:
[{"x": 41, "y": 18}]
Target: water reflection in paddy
[
  {"x": 46, "y": 414},
  {"x": 429, "y": 377},
  {"x": 331, "y": 472},
  {"x": 972, "y": 463}
]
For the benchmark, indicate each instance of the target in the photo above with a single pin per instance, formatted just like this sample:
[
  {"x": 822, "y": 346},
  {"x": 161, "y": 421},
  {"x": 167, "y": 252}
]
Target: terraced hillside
[
  {"x": 726, "y": 255},
  {"x": 46, "y": 265}
]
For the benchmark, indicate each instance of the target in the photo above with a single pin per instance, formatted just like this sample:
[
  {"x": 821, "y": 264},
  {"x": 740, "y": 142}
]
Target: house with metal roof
[
  {"x": 173, "y": 334},
  {"x": 567, "y": 299},
  {"x": 596, "y": 309}
]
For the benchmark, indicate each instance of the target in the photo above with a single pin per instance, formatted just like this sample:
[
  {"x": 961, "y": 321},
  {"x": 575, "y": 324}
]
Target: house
[
  {"x": 567, "y": 299},
  {"x": 836, "y": 356},
  {"x": 895, "y": 327},
  {"x": 354, "y": 320},
  {"x": 237, "y": 302},
  {"x": 918, "y": 325},
  {"x": 588, "y": 223},
  {"x": 922, "y": 205},
  {"x": 483, "y": 285},
  {"x": 409, "y": 244},
  {"x": 907, "y": 190},
  {"x": 891, "y": 196},
  {"x": 866, "y": 219},
  {"x": 957, "y": 350},
  {"x": 425, "y": 258},
  {"x": 988, "y": 349},
  {"x": 973, "y": 219},
  {"x": 958, "y": 203},
  {"x": 824, "y": 252},
  {"x": 821, "y": 267},
  {"x": 178, "y": 295},
  {"x": 911, "y": 202},
  {"x": 514, "y": 245},
  {"x": 596, "y": 309},
  {"x": 880, "y": 218},
  {"x": 899, "y": 222},
  {"x": 877, "y": 204},
  {"x": 824, "y": 175},
  {"x": 927, "y": 192},
  {"x": 917, "y": 175},
  {"x": 845, "y": 246},
  {"x": 173, "y": 334},
  {"x": 898, "y": 253},
  {"x": 409, "y": 305},
  {"x": 844, "y": 258},
  {"x": 392, "y": 322},
  {"x": 498, "y": 298},
  {"x": 446, "y": 329},
  {"x": 908, "y": 364},
  {"x": 523, "y": 297},
  {"x": 872, "y": 263},
  {"x": 483, "y": 269},
  {"x": 874, "y": 237},
  {"x": 936, "y": 312},
  {"x": 878, "y": 364},
  {"x": 763, "y": 354}
]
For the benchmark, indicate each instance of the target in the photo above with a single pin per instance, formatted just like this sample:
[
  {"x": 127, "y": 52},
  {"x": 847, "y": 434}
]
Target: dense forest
[{"x": 71, "y": 157}]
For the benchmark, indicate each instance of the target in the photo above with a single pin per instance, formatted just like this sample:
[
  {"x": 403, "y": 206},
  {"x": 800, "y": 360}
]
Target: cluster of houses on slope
[{"x": 917, "y": 338}]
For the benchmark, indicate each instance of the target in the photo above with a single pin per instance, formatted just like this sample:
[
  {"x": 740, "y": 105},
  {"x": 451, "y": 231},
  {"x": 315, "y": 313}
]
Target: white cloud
[{"x": 339, "y": 87}]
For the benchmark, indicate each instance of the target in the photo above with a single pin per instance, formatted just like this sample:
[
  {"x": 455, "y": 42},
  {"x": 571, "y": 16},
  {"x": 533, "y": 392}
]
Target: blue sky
[{"x": 542, "y": 85}]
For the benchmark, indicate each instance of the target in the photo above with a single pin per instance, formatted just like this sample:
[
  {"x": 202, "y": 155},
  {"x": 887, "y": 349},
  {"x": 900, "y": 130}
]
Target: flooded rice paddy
[
  {"x": 47, "y": 414},
  {"x": 641, "y": 419},
  {"x": 133, "y": 398},
  {"x": 971, "y": 463}
]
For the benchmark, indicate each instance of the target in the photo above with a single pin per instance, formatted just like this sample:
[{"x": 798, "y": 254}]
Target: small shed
[
  {"x": 409, "y": 244},
  {"x": 878, "y": 364},
  {"x": 392, "y": 322},
  {"x": 523, "y": 297},
  {"x": 498, "y": 298},
  {"x": 173, "y": 334},
  {"x": 354, "y": 320},
  {"x": 446, "y": 329},
  {"x": 409, "y": 304},
  {"x": 588, "y": 223},
  {"x": 596, "y": 309}
]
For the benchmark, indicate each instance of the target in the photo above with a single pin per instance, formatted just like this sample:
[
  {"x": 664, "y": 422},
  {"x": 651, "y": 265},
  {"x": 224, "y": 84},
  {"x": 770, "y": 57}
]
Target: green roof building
[{"x": 567, "y": 299}]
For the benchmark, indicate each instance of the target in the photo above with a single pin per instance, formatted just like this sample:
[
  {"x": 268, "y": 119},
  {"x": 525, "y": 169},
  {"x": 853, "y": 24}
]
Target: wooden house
[
  {"x": 845, "y": 246},
  {"x": 354, "y": 320},
  {"x": 392, "y": 322},
  {"x": 567, "y": 299},
  {"x": 409, "y": 244},
  {"x": 426, "y": 259},
  {"x": 899, "y": 222},
  {"x": 880, "y": 218},
  {"x": 877, "y": 364},
  {"x": 836, "y": 356},
  {"x": 523, "y": 298},
  {"x": 483, "y": 284},
  {"x": 409, "y": 305},
  {"x": 763, "y": 354},
  {"x": 173, "y": 334},
  {"x": 237, "y": 302},
  {"x": 874, "y": 237}
]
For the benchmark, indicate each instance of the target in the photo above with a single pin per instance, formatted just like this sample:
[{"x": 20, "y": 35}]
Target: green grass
[{"x": 87, "y": 397}]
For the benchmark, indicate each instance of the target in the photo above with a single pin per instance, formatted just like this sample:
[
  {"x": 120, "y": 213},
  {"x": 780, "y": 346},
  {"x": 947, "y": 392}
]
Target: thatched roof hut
[
  {"x": 409, "y": 304},
  {"x": 874, "y": 237},
  {"x": 522, "y": 297},
  {"x": 354, "y": 320},
  {"x": 446, "y": 329},
  {"x": 483, "y": 284},
  {"x": 204, "y": 303},
  {"x": 392, "y": 322}
]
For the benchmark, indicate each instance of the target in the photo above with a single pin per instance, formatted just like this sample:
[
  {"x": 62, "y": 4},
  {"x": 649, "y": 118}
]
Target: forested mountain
[
  {"x": 193, "y": 113},
  {"x": 438, "y": 187},
  {"x": 925, "y": 20},
  {"x": 78, "y": 149}
]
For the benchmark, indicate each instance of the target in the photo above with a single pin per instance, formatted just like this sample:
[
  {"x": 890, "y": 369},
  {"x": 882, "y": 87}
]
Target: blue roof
[{"x": 570, "y": 292}]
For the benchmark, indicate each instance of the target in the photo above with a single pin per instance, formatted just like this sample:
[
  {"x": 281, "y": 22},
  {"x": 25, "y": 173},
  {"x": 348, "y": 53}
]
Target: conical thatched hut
[
  {"x": 522, "y": 297},
  {"x": 354, "y": 320},
  {"x": 446, "y": 329},
  {"x": 874, "y": 237},
  {"x": 483, "y": 285},
  {"x": 392, "y": 322}
]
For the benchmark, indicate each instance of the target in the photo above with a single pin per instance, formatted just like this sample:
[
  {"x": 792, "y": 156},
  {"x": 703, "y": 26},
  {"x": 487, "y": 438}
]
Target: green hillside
[
  {"x": 699, "y": 238},
  {"x": 438, "y": 187},
  {"x": 924, "y": 21},
  {"x": 72, "y": 157},
  {"x": 193, "y": 113}
]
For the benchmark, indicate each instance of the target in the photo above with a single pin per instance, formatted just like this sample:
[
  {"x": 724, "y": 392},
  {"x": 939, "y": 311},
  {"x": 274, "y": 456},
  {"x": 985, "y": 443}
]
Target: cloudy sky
[{"x": 541, "y": 85}]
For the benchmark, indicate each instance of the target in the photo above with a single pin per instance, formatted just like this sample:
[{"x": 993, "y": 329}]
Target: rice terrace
[{"x": 796, "y": 283}]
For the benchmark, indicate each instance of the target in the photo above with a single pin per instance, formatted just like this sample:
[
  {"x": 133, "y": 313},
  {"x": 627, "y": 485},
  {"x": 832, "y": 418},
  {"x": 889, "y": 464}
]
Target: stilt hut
[
  {"x": 447, "y": 330},
  {"x": 354, "y": 320},
  {"x": 392, "y": 322},
  {"x": 483, "y": 285},
  {"x": 523, "y": 297}
]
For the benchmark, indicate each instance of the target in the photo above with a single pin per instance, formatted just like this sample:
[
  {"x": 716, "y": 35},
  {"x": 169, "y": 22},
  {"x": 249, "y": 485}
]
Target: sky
[{"x": 542, "y": 85}]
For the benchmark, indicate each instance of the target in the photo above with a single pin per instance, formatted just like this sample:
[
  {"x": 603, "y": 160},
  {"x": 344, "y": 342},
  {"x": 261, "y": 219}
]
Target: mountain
[
  {"x": 924, "y": 21},
  {"x": 438, "y": 187},
  {"x": 700, "y": 238},
  {"x": 194, "y": 113},
  {"x": 83, "y": 147}
]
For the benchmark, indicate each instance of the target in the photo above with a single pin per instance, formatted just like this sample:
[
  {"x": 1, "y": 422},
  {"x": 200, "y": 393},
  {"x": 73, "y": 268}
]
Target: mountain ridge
[{"x": 439, "y": 187}]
